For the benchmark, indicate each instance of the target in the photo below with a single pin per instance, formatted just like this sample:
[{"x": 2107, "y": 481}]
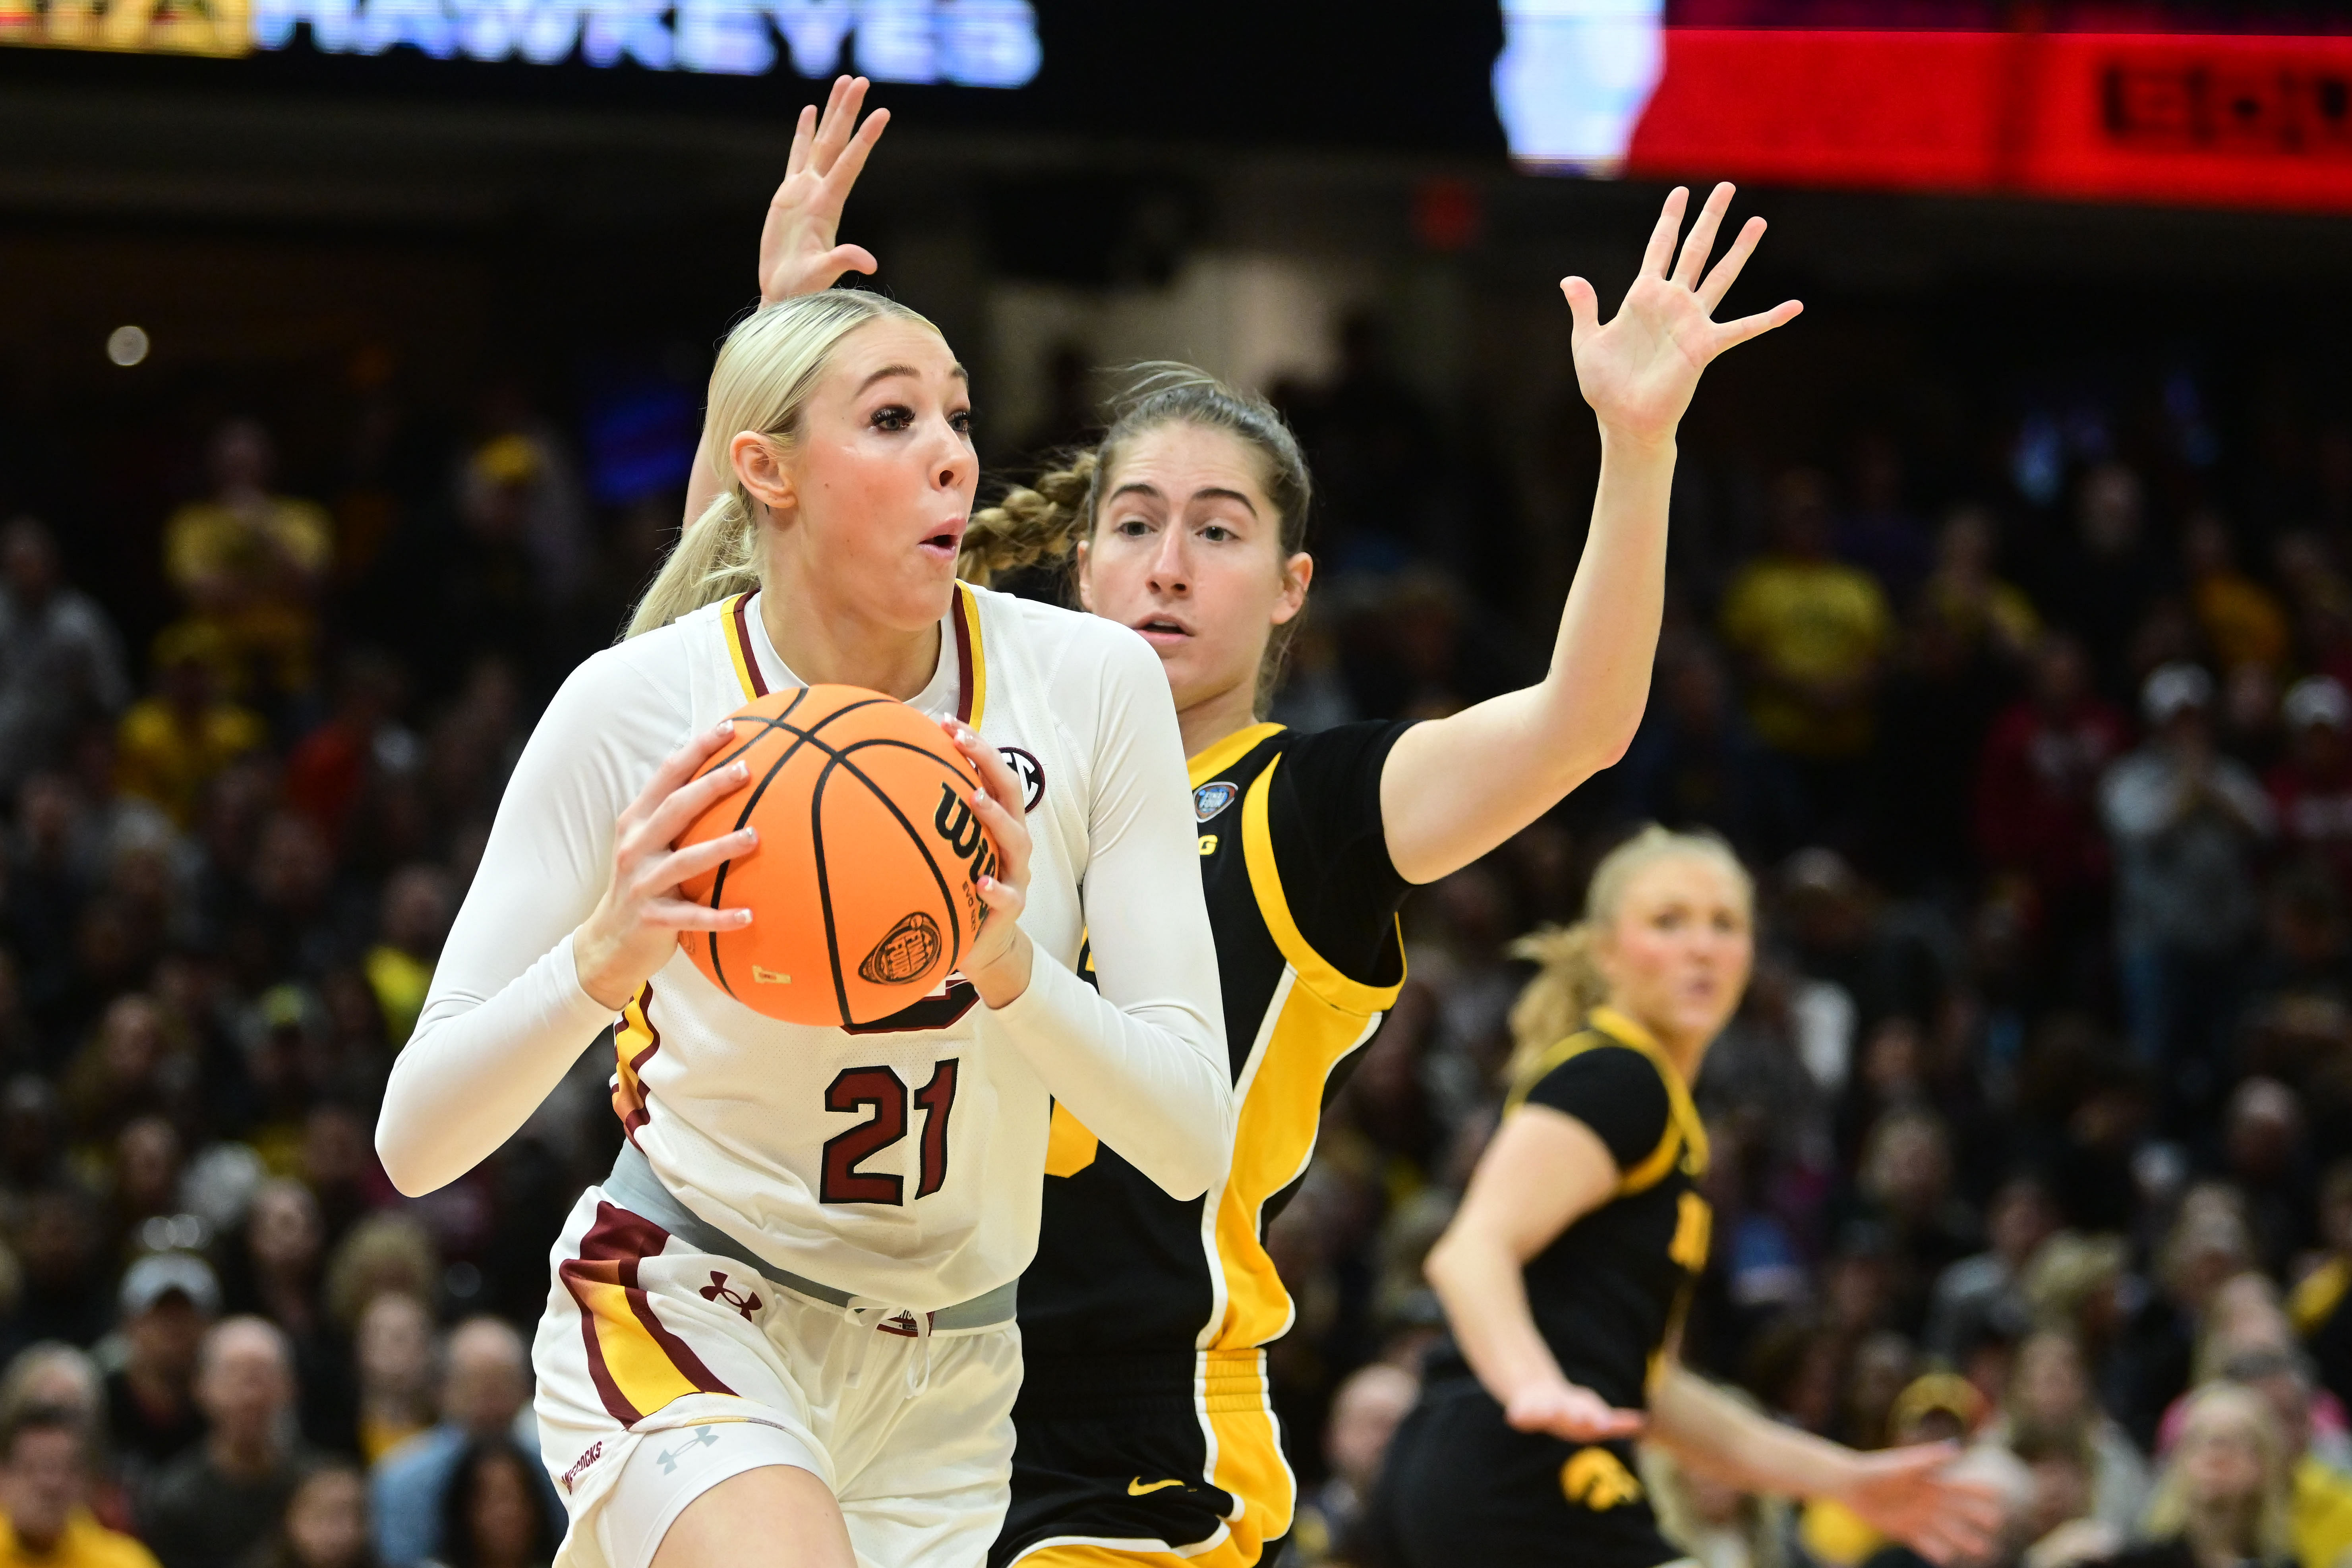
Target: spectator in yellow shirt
[
  {"x": 45, "y": 1518},
  {"x": 1814, "y": 634},
  {"x": 249, "y": 564},
  {"x": 2243, "y": 622},
  {"x": 172, "y": 744}
]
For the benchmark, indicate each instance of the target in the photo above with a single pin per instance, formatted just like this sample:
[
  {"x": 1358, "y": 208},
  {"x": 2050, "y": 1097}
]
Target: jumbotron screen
[{"x": 2206, "y": 106}]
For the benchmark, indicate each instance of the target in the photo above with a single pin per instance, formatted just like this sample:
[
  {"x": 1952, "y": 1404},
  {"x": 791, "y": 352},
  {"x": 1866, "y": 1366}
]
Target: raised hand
[
  {"x": 1910, "y": 1494},
  {"x": 1638, "y": 373},
  {"x": 797, "y": 250}
]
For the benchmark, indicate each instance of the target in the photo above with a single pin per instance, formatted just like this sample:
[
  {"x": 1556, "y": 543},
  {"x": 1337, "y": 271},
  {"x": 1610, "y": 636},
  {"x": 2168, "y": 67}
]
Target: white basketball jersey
[{"x": 898, "y": 1161}]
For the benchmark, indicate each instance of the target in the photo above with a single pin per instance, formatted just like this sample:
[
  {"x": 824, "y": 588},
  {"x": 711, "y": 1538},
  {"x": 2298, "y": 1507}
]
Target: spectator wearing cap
[
  {"x": 217, "y": 1502},
  {"x": 2186, "y": 822},
  {"x": 169, "y": 1300},
  {"x": 45, "y": 1480},
  {"x": 60, "y": 660},
  {"x": 2313, "y": 787},
  {"x": 485, "y": 1395}
]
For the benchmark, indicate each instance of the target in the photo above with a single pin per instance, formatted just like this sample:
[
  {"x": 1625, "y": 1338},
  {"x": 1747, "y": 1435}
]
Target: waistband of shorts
[
  {"x": 636, "y": 1187},
  {"x": 1082, "y": 1385}
]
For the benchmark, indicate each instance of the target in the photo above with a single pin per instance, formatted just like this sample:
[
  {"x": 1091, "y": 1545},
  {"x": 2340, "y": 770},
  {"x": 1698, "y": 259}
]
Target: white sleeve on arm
[
  {"x": 1141, "y": 1062},
  {"x": 506, "y": 1017}
]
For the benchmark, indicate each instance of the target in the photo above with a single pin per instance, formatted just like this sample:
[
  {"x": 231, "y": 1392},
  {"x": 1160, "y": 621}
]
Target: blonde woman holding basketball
[
  {"x": 1566, "y": 1271},
  {"x": 780, "y": 1334},
  {"x": 1145, "y": 1430}
]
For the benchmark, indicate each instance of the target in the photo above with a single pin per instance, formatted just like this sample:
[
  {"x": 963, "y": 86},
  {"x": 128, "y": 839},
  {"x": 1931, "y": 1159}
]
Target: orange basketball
[{"x": 861, "y": 887}]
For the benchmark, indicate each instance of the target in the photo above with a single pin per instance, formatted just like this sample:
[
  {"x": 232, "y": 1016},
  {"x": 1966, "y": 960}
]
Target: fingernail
[
  {"x": 726, "y": 727},
  {"x": 740, "y": 771},
  {"x": 985, "y": 883},
  {"x": 742, "y": 917},
  {"x": 980, "y": 797},
  {"x": 751, "y": 836}
]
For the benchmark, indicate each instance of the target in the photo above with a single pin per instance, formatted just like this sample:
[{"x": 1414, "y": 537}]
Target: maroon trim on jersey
[
  {"x": 743, "y": 641},
  {"x": 963, "y": 655}
]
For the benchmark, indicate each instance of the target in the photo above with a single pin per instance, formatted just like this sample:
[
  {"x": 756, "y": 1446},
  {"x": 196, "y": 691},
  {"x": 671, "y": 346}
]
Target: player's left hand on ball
[{"x": 999, "y": 953}]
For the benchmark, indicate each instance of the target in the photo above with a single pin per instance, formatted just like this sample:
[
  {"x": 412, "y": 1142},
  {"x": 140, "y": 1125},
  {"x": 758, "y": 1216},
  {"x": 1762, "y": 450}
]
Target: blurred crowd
[{"x": 2032, "y": 1132}]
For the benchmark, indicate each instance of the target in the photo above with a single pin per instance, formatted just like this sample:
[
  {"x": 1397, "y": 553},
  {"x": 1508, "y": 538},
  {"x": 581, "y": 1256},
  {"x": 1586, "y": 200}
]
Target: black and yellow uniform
[
  {"x": 1143, "y": 1432},
  {"x": 1608, "y": 1295}
]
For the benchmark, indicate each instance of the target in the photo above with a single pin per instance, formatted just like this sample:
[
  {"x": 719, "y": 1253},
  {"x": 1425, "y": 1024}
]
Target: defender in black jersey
[
  {"x": 1144, "y": 1431},
  {"x": 1567, "y": 1270},
  {"x": 1143, "y": 1413}
]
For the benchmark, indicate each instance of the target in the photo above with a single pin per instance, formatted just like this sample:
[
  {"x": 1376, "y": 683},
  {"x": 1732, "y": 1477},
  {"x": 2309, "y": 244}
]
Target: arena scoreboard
[{"x": 2044, "y": 107}]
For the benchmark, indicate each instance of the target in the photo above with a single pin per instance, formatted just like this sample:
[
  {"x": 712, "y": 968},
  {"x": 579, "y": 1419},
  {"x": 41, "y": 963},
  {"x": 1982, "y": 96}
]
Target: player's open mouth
[
  {"x": 1163, "y": 631},
  {"x": 944, "y": 544}
]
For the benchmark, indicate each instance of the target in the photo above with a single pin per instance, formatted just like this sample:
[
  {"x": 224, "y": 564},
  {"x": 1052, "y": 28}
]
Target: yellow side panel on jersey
[
  {"x": 1071, "y": 1146},
  {"x": 1249, "y": 1465},
  {"x": 1321, "y": 1015}
]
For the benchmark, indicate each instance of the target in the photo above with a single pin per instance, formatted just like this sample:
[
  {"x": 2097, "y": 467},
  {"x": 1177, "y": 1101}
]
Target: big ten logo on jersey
[
  {"x": 1597, "y": 1480},
  {"x": 960, "y": 825}
]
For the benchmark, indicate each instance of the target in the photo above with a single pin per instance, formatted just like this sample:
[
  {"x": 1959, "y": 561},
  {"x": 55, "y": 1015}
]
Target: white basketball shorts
[{"x": 665, "y": 1369}]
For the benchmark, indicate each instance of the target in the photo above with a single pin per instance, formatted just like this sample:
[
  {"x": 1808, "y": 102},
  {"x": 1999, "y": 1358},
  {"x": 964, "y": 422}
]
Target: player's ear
[
  {"x": 1084, "y": 554},
  {"x": 1297, "y": 573},
  {"x": 760, "y": 469}
]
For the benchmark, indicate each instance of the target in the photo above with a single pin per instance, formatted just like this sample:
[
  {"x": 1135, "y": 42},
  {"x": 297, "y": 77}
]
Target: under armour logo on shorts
[
  {"x": 717, "y": 1290},
  {"x": 703, "y": 1437}
]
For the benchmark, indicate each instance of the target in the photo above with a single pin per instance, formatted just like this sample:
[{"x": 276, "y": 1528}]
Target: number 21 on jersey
[{"x": 884, "y": 1093}]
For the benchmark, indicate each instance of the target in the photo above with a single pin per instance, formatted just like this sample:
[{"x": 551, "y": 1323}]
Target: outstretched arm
[
  {"x": 1904, "y": 1492},
  {"x": 1455, "y": 788},
  {"x": 799, "y": 253}
]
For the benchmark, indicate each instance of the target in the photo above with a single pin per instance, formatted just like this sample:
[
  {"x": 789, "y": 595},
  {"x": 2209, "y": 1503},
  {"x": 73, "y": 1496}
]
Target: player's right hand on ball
[
  {"x": 1566, "y": 1410},
  {"x": 640, "y": 920}
]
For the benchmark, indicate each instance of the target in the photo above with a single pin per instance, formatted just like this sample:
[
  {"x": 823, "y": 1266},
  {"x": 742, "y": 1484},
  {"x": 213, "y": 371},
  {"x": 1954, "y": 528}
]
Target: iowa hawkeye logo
[{"x": 1598, "y": 1479}]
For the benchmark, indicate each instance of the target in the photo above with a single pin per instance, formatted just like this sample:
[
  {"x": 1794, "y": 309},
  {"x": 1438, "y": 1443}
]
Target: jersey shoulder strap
[{"x": 1685, "y": 1137}]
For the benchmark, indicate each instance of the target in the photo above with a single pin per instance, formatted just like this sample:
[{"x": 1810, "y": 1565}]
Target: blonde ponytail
[
  {"x": 767, "y": 370},
  {"x": 1034, "y": 525},
  {"x": 1567, "y": 983}
]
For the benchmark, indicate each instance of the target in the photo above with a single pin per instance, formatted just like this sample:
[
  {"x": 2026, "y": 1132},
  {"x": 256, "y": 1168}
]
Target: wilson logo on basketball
[
  {"x": 960, "y": 827},
  {"x": 905, "y": 954}
]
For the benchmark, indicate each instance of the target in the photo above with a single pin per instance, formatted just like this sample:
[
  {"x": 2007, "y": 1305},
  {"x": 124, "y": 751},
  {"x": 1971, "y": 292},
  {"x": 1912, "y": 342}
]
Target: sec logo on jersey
[
  {"x": 1029, "y": 771},
  {"x": 1211, "y": 798}
]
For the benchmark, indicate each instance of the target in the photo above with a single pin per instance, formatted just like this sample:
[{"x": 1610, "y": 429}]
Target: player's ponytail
[
  {"x": 1568, "y": 982},
  {"x": 767, "y": 370}
]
